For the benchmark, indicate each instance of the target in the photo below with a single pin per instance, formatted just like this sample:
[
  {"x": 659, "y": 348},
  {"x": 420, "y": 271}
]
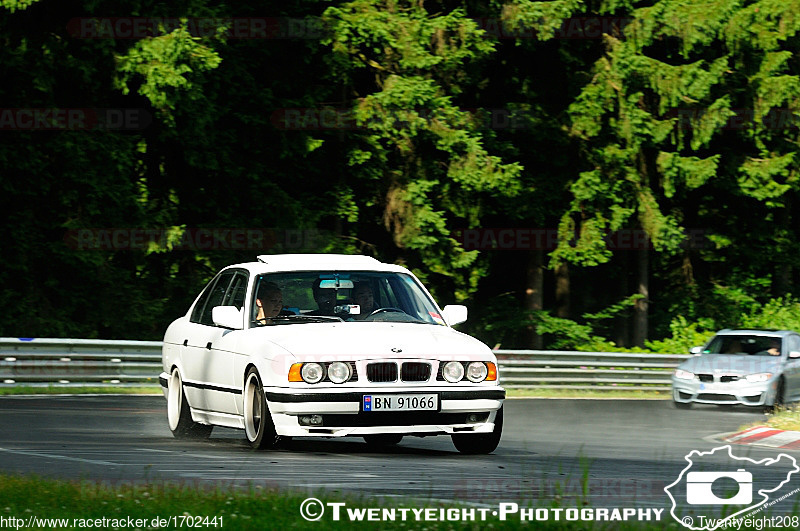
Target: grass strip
[
  {"x": 82, "y": 504},
  {"x": 587, "y": 393},
  {"x": 783, "y": 418},
  {"x": 77, "y": 390}
]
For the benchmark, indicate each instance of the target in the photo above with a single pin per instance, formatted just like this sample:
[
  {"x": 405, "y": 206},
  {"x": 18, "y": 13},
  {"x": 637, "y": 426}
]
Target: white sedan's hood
[{"x": 373, "y": 340}]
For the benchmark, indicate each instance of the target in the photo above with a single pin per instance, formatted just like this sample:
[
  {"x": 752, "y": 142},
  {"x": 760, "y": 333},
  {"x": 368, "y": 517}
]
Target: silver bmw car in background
[{"x": 758, "y": 368}]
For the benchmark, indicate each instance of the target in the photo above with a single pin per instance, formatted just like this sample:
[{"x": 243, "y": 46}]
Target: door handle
[
  {"x": 208, "y": 345},
  {"x": 185, "y": 342}
]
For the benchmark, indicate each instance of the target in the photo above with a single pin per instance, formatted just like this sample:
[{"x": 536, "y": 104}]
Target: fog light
[
  {"x": 310, "y": 420},
  {"x": 472, "y": 418}
]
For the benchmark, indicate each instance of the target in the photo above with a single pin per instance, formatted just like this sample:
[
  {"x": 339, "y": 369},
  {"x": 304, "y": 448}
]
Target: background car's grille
[
  {"x": 415, "y": 372},
  {"x": 728, "y": 378},
  {"x": 711, "y": 396},
  {"x": 706, "y": 377},
  {"x": 382, "y": 372}
]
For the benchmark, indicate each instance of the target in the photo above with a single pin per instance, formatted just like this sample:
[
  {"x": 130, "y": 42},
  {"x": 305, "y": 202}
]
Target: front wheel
[
  {"x": 682, "y": 405},
  {"x": 780, "y": 399},
  {"x": 481, "y": 443},
  {"x": 258, "y": 425},
  {"x": 180, "y": 418}
]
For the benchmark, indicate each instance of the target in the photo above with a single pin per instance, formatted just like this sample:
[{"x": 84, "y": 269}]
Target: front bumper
[
  {"x": 730, "y": 393},
  {"x": 460, "y": 411}
]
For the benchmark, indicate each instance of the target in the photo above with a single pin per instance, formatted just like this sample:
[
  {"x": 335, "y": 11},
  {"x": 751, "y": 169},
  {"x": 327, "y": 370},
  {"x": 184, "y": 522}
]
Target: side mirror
[
  {"x": 696, "y": 351},
  {"x": 794, "y": 355},
  {"x": 227, "y": 317},
  {"x": 454, "y": 314}
]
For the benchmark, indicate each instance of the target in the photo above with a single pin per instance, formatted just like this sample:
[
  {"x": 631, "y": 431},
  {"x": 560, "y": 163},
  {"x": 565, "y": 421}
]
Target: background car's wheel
[
  {"x": 383, "y": 439},
  {"x": 682, "y": 405},
  {"x": 258, "y": 425},
  {"x": 780, "y": 399},
  {"x": 178, "y": 414},
  {"x": 481, "y": 443}
]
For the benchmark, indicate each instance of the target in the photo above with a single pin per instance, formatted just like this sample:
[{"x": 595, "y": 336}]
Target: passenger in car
[
  {"x": 269, "y": 301},
  {"x": 363, "y": 296}
]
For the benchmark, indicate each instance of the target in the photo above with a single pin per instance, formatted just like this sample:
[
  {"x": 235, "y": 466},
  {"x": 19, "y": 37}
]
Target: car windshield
[
  {"x": 355, "y": 296},
  {"x": 744, "y": 345}
]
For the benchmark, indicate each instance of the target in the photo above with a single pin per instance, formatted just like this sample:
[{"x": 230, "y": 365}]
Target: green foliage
[
  {"x": 782, "y": 313},
  {"x": 684, "y": 335},
  {"x": 163, "y": 65},
  {"x": 14, "y": 5}
]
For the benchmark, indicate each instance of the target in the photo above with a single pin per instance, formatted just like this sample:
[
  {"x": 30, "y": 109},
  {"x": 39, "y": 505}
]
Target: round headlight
[
  {"x": 339, "y": 372},
  {"x": 477, "y": 371},
  {"x": 453, "y": 371},
  {"x": 312, "y": 372}
]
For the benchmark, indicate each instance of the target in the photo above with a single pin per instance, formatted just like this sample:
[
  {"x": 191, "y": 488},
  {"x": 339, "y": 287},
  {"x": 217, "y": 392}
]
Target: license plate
[{"x": 414, "y": 402}]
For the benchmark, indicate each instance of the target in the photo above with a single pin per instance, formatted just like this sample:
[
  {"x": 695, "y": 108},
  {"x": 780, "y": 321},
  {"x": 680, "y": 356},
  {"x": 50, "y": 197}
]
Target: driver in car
[
  {"x": 325, "y": 299},
  {"x": 362, "y": 295}
]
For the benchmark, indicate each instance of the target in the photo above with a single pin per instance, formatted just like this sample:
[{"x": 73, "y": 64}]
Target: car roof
[
  {"x": 773, "y": 333},
  {"x": 271, "y": 263}
]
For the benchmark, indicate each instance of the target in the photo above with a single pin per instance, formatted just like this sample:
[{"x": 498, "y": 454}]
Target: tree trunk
[
  {"x": 562, "y": 291},
  {"x": 622, "y": 328},
  {"x": 782, "y": 283},
  {"x": 641, "y": 307},
  {"x": 534, "y": 284}
]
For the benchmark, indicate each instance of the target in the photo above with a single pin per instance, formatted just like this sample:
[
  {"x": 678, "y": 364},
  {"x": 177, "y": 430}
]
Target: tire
[
  {"x": 780, "y": 399},
  {"x": 383, "y": 439},
  {"x": 258, "y": 426},
  {"x": 682, "y": 405},
  {"x": 178, "y": 415},
  {"x": 481, "y": 443}
]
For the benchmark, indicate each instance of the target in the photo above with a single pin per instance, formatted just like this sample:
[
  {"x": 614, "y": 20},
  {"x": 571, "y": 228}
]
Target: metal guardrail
[
  {"x": 559, "y": 369},
  {"x": 92, "y": 362},
  {"x": 42, "y": 362}
]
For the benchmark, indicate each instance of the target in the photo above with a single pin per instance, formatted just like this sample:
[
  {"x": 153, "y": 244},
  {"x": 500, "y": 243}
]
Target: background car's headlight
[
  {"x": 453, "y": 371},
  {"x": 758, "y": 377},
  {"x": 312, "y": 372},
  {"x": 477, "y": 371},
  {"x": 339, "y": 372},
  {"x": 684, "y": 375}
]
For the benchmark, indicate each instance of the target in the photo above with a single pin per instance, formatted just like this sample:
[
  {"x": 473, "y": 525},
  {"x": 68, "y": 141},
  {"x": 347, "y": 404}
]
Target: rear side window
[
  {"x": 211, "y": 298},
  {"x": 236, "y": 291}
]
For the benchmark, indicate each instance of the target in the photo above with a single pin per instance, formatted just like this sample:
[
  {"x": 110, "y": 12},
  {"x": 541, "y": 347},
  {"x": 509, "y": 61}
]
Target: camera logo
[
  {"x": 699, "y": 488},
  {"x": 717, "y": 488}
]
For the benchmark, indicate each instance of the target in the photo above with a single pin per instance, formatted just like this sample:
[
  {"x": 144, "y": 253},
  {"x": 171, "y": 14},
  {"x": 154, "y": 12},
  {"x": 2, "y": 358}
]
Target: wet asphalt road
[{"x": 622, "y": 452}]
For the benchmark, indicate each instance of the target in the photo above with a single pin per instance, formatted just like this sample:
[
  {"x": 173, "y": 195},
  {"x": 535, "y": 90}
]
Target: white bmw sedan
[{"x": 328, "y": 346}]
